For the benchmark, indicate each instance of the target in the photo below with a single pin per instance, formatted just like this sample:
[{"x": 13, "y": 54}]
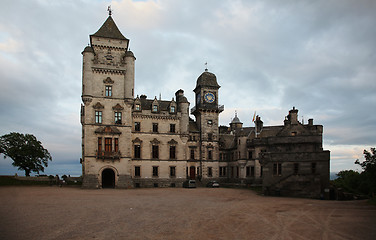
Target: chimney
[
  {"x": 310, "y": 122},
  {"x": 293, "y": 116}
]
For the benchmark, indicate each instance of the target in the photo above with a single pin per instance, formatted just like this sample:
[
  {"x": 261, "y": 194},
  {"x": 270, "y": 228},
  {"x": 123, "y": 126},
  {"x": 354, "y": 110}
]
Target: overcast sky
[{"x": 268, "y": 56}]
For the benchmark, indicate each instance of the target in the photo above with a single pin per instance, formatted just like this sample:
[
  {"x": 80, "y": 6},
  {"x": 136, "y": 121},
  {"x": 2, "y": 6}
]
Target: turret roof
[{"x": 109, "y": 30}]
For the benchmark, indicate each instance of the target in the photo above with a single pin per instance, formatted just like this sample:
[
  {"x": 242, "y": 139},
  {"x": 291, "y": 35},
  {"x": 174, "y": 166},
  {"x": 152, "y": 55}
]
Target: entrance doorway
[
  {"x": 108, "y": 178},
  {"x": 192, "y": 172}
]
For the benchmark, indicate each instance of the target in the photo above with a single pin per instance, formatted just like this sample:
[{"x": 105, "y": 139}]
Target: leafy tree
[
  {"x": 368, "y": 184},
  {"x": 348, "y": 180},
  {"x": 26, "y": 151}
]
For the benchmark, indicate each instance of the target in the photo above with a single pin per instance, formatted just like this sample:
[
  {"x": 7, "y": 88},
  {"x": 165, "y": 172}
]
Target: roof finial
[
  {"x": 109, "y": 10},
  {"x": 236, "y": 113},
  {"x": 206, "y": 66}
]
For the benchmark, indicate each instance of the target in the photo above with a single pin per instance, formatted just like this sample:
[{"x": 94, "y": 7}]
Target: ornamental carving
[
  {"x": 117, "y": 107},
  {"x": 108, "y": 80},
  {"x": 98, "y": 106}
]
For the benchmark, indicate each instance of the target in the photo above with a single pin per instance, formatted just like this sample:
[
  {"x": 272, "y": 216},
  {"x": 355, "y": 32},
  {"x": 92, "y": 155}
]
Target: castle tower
[
  {"x": 206, "y": 112},
  {"x": 106, "y": 117}
]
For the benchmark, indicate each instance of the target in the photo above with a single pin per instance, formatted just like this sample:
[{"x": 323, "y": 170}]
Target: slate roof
[
  {"x": 109, "y": 30},
  {"x": 207, "y": 79}
]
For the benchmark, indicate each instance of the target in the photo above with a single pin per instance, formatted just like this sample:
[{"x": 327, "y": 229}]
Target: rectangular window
[
  {"x": 250, "y": 154},
  {"x": 137, "y": 126},
  {"x": 98, "y": 116},
  {"x": 155, "y": 127},
  {"x": 137, "y": 151},
  {"x": 172, "y": 109},
  {"x": 210, "y": 157},
  {"x": 138, "y": 107},
  {"x": 192, "y": 154},
  {"x": 99, "y": 146},
  {"x": 313, "y": 168},
  {"x": 108, "y": 144},
  {"x": 108, "y": 91},
  {"x": 222, "y": 171},
  {"x": 116, "y": 143},
  {"x": 252, "y": 171},
  {"x": 296, "y": 168},
  {"x": 261, "y": 171},
  {"x": 155, "y": 171},
  {"x": 117, "y": 117},
  {"x": 210, "y": 172},
  {"x": 172, "y": 152},
  {"x": 172, "y": 128},
  {"x": 277, "y": 169},
  {"x": 155, "y": 151},
  {"x": 210, "y": 136},
  {"x": 137, "y": 171},
  {"x": 155, "y": 108},
  {"x": 237, "y": 172},
  {"x": 172, "y": 171},
  {"x": 248, "y": 171}
]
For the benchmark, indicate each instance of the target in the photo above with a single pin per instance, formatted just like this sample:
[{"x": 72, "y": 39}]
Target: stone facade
[{"x": 131, "y": 141}]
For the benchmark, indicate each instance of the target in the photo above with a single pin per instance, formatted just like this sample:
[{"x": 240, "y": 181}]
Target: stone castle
[{"x": 130, "y": 142}]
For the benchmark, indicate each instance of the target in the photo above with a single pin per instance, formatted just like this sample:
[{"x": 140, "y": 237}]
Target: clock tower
[{"x": 206, "y": 112}]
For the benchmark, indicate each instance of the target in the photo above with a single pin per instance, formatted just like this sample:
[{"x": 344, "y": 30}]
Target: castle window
[
  {"x": 172, "y": 152},
  {"x": 210, "y": 155},
  {"x": 155, "y": 152},
  {"x": 172, "y": 171},
  {"x": 296, "y": 168},
  {"x": 192, "y": 154},
  {"x": 155, "y": 171},
  {"x": 210, "y": 136},
  {"x": 108, "y": 91},
  {"x": 155, "y": 108},
  {"x": 116, "y": 144},
  {"x": 137, "y": 126},
  {"x": 137, "y": 151},
  {"x": 137, "y": 171},
  {"x": 277, "y": 169},
  {"x": 250, "y": 171},
  {"x": 137, "y": 107},
  {"x": 108, "y": 144},
  {"x": 313, "y": 167},
  {"x": 155, "y": 127},
  {"x": 172, "y": 109},
  {"x": 210, "y": 172},
  {"x": 250, "y": 153},
  {"x": 98, "y": 116},
  {"x": 99, "y": 145},
  {"x": 117, "y": 117},
  {"x": 222, "y": 171},
  {"x": 172, "y": 128},
  {"x": 210, "y": 122}
]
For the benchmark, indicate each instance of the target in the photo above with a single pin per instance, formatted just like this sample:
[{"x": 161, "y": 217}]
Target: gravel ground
[{"x": 176, "y": 213}]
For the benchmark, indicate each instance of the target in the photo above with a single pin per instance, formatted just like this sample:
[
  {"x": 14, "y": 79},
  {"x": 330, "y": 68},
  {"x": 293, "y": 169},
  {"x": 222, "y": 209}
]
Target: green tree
[
  {"x": 368, "y": 183},
  {"x": 348, "y": 180},
  {"x": 27, "y": 152}
]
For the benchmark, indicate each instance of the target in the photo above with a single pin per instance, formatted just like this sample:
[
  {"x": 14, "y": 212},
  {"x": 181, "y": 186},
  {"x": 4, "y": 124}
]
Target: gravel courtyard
[{"x": 176, "y": 213}]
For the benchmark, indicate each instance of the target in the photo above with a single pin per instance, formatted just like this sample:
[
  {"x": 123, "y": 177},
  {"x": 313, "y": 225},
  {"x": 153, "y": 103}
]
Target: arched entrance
[{"x": 108, "y": 178}]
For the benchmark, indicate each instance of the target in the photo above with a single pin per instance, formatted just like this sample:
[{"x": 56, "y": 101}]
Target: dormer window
[
  {"x": 155, "y": 108},
  {"x": 172, "y": 109},
  {"x": 137, "y": 107},
  {"x": 108, "y": 91}
]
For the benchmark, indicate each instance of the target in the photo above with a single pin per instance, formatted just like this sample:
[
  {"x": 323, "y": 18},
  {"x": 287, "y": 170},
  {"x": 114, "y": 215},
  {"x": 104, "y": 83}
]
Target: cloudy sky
[{"x": 268, "y": 56}]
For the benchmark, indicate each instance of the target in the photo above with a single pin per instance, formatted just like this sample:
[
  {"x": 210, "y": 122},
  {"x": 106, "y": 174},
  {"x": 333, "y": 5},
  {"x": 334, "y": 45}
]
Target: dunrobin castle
[{"x": 133, "y": 141}]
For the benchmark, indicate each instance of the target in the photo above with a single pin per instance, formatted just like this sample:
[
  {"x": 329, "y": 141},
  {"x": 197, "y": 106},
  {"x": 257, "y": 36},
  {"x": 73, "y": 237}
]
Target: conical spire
[{"x": 109, "y": 30}]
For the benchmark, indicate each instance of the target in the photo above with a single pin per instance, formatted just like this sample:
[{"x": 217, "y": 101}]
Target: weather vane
[
  {"x": 206, "y": 66},
  {"x": 109, "y": 10}
]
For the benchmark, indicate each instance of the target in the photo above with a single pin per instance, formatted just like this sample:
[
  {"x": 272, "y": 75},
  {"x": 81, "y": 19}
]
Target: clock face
[{"x": 209, "y": 97}]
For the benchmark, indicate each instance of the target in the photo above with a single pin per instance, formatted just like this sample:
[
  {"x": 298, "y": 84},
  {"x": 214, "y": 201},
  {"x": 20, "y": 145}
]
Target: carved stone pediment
[
  {"x": 118, "y": 107},
  {"x": 108, "y": 81},
  {"x": 108, "y": 130},
  {"x": 155, "y": 141},
  {"x": 98, "y": 106},
  {"x": 137, "y": 140},
  {"x": 172, "y": 142}
]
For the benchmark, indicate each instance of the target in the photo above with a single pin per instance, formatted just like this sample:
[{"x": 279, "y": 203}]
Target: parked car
[
  {"x": 189, "y": 184},
  {"x": 212, "y": 184}
]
